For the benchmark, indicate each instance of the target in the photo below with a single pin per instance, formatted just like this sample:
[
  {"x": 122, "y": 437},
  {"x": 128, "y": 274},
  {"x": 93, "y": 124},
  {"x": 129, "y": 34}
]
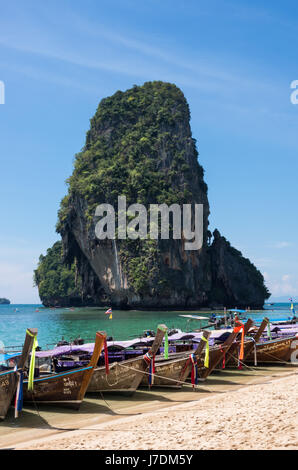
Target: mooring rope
[
  {"x": 178, "y": 382},
  {"x": 280, "y": 360}
]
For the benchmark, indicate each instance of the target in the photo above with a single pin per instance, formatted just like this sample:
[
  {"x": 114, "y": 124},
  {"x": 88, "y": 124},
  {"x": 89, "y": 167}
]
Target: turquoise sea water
[{"x": 84, "y": 322}]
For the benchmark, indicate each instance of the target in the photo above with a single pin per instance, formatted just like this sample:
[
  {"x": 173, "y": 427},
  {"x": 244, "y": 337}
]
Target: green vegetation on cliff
[
  {"x": 137, "y": 147},
  {"x": 140, "y": 146},
  {"x": 128, "y": 133},
  {"x": 56, "y": 282}
]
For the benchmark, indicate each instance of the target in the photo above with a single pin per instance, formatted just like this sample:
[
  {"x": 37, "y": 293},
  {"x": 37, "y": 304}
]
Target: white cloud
[
  {"x": 283, "y": 286},
  {"x": 280, "y": 245}
]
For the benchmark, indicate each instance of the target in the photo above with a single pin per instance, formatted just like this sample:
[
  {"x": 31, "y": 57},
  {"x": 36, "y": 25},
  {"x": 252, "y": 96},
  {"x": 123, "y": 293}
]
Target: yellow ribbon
[
  {"x": 32, "y": 362},
  {"x": 166, "y": 349},
  {"x": 206, "y": 361}
]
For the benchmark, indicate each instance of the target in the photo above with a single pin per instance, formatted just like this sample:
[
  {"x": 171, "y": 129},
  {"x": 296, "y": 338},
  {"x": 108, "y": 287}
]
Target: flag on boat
[{"x": 109, "y": 312}]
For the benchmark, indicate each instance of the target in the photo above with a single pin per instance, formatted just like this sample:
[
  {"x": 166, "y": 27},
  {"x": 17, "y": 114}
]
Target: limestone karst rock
[{"x": 140, "y": 145}]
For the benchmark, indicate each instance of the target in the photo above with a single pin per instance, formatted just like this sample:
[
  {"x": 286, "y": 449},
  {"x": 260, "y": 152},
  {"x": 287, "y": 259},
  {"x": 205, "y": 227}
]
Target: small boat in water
[
  {"x": 67, "y": 388},
  {"x": 9, "y": 376}
]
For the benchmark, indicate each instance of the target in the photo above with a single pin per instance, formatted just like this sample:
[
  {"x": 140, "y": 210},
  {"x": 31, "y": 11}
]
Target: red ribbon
[
  {"x": 224, "y": 358},
  {"x": 240, "y": 364},
  {"x": 194, "y": 370},
  {"x": 151, "y": 362}
]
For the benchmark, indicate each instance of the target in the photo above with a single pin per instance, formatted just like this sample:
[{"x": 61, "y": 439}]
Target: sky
[{"x": 234, "y": 61}]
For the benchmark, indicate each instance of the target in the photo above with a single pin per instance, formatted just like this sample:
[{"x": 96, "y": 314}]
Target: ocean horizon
[{"x": 70, "y": 323}]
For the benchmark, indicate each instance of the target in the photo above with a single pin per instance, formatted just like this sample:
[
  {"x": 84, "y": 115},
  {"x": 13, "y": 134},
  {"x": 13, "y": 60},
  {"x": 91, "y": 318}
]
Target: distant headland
[{"x": 4, "y": 301}]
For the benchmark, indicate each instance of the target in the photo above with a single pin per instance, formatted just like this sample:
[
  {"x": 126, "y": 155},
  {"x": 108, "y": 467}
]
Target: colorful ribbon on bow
[
  {"x": 206, "y": 360},
  {"x": 194, "y": 370},
  {"x": 151, "y": 362},
  {"x": 166, "y": 351},
  {"x": 19, "y": 394},
  {"x": 106, "y": 357},
  {"x": 239, "y": 361},
  {"x": 32, "y": 362},
  {"x": 237, "y": 329},
  {"x": 224, "y": 357}
]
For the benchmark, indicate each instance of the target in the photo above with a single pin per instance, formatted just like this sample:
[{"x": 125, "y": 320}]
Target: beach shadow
[
  {"x": 85, "y": 408},
  {"x": 163, "y": 394},
  {"x": 27, "y": 419},
  {"x": 30, "y": 416},
  {"x": 219, "y": 381}
]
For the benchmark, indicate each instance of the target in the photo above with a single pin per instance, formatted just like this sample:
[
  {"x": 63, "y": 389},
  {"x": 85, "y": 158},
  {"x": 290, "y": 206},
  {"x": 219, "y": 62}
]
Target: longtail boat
[
  {"x": 174, "y": 371},
  {"x": 125, "y": 376},
  {"x": 68, "y": 388},
  {"x": 274, "y": 351},
  {"x": 9, "y": 378},
  {"x": 249, "y": 345}
]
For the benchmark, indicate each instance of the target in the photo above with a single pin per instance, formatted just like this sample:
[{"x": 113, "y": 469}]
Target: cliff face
[
  {"x": 235, "y": 280},
  {"x": 59, "y": 285},
  {"x": 140, "y": 145},
  {"x": 4, "y": 302}
]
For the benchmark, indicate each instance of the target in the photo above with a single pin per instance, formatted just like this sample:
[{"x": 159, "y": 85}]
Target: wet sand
[{"x": 231, "y": 410}]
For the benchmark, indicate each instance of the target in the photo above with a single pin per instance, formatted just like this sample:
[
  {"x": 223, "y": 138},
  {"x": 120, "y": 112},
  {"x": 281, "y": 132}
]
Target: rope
[
  {"x": 280, "y": 360},
  {"x": 241, "y": 362},
  {"x": 254, "y": 369},
  {"x": 103, "y": 398},
  {"x": 113, "y": 365},
  {"x": 38, "y": 413},
  {"x": 178, "y": 382}
]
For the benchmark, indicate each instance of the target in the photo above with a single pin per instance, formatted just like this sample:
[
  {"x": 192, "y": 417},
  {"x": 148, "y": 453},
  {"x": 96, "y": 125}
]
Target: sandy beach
[{"x": 260, "y": 416}]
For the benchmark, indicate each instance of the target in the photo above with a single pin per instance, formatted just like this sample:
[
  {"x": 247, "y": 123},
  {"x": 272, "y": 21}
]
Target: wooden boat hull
[
  {"x": 275, "y": 351},
  {"x": 66, "y": 389},
  {"x": 169, "y": 373},
  {"x": 172, "y": 373},
  {"x": 8, "y": 385},
  {"x": 63, "y": 389},
  {"x": 122, "y": 378},
  {"x": 9, "y": 379}
]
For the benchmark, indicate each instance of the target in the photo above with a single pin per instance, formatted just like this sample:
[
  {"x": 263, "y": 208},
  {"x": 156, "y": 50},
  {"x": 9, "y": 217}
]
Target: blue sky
[{"x": 234, "y": 61}]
